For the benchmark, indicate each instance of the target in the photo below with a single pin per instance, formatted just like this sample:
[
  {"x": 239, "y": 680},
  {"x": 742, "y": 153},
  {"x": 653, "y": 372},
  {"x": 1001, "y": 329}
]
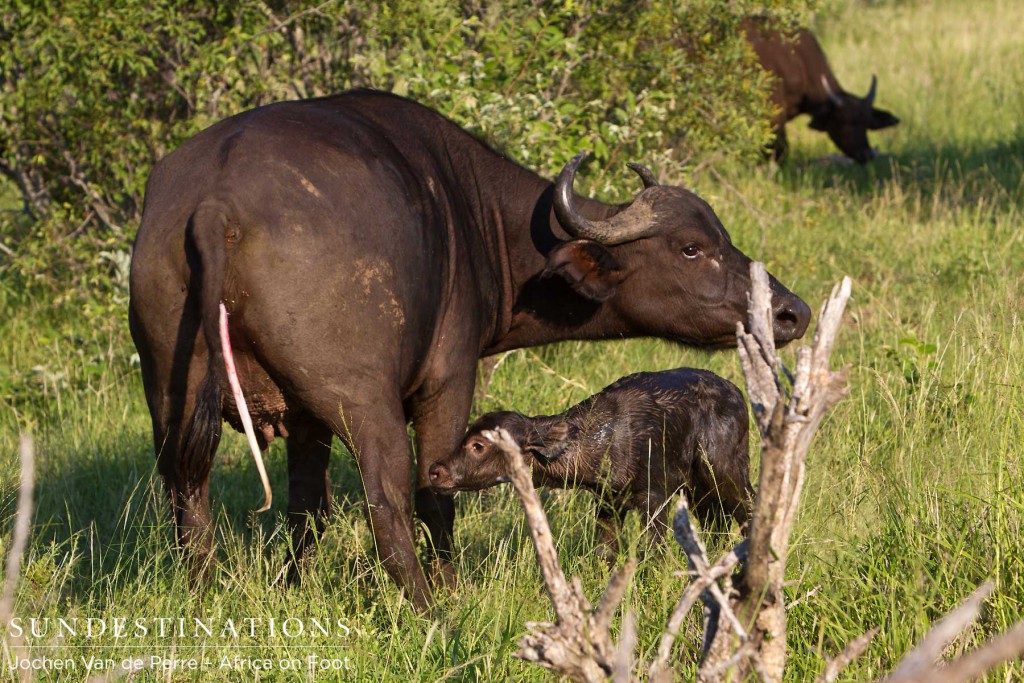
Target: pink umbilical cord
[{"x": 243, "y": 409}]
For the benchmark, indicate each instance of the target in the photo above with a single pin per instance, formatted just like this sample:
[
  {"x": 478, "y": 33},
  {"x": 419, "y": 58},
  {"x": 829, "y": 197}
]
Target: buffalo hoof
[{"x": 442, "y": 577}]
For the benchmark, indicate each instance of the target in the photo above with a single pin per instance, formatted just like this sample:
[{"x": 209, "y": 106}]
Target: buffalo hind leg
[
  {"x": 375, "y": 431},
  {"x": 184, "y": 462},
  {"x": 440, "y": 414},
  {"x": 309, "y": 494}
]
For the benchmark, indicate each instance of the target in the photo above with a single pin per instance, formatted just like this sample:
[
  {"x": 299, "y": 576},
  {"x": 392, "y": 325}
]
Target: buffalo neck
[{"x": 532, "y": 310}]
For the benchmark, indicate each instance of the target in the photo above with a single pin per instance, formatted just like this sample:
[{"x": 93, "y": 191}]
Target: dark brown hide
[
  {"x": 805, "y": 84},
  {"x": 369, "y": 251},
  {"x": 634, "y": 445}
]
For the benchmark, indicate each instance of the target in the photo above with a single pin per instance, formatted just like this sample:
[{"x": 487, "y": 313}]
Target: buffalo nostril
[
  {"x": 791, "y": 320},
  {"x": 786, "y": 318}
]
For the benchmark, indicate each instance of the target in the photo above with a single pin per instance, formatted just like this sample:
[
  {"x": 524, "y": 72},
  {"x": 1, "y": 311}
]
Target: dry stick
[
  {"x": 723, "y": 567},
  {"x": 1003, "y": 648},
  {"x": 686, "y": 537},
  {"x": 243, "y": 409},
  {"x": 786, "y": 427},
  {"x": 562, "y": 598},
  {"x": 919, "y": 666},
  {"x": 855, "y": 648},
  {"x": 578, "y": 645},
  {"x": 19, "y": 542},
  {"x": 623, "y": 664},
  {"x": 921, "y": 660}
]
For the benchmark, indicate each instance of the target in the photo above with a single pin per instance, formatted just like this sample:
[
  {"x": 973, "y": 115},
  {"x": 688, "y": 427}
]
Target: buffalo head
[
  {"x": 669, "y": 263},
  {"x": 848, "y": 118}
]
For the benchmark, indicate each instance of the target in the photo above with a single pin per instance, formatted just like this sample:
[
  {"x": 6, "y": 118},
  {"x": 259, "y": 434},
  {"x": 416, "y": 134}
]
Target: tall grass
[{"x": 914, "y": 493}]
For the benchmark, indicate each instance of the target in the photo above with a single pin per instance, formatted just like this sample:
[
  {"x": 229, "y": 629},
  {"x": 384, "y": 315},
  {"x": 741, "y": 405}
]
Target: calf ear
[
  {"x": 588, "y": 267},
  {"x": 881, "y": 119},
  {"x": 550, "y": 446}
]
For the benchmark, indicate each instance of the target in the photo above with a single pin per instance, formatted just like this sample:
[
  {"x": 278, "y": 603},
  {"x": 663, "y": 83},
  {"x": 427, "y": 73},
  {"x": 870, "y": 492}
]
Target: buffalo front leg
[
  {"x": 440, "y": 414},
  {"x": 309, "y": 495}
]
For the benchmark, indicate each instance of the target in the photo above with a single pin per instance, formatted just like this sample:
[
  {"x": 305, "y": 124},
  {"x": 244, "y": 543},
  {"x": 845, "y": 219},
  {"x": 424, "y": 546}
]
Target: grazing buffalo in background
[
  {"x": 806, "y": 85},
  {"x": 369, "y": 251},
  {"x": 634, "y": 444}
]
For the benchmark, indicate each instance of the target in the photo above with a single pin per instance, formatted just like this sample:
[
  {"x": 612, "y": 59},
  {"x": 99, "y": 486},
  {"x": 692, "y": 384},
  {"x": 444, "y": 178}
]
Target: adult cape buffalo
[
  {"x": 805, "y": 84},
  {"x": 369, "y": 251}
]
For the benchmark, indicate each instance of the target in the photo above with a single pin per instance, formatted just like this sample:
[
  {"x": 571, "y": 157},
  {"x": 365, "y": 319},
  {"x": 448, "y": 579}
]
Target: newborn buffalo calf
[{"x": 634, "y": 444}]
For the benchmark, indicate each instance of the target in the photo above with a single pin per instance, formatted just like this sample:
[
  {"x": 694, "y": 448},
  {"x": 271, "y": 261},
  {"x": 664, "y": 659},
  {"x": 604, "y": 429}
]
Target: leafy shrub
[{"x": 92, "y": 92}]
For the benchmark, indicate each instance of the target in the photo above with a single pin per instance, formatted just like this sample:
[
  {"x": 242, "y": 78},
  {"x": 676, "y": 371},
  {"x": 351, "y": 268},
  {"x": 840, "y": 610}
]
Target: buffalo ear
[
  {"x": 550, "y": 446},
  {"x": 881, "y": 119},
  {"x": 588, "y": 267}
]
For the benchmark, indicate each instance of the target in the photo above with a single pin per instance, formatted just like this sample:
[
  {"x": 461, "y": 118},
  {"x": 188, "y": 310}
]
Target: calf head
[
  {"x": 848, "y": 118},
  {"x": 670, "y": 264},
  {"x": 478, "y": 464}
]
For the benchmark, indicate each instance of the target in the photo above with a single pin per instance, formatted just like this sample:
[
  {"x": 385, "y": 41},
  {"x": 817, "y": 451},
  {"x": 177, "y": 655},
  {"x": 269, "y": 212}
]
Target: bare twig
[
  {"x": 19, "y": 542},
  {"x": 855, "y": 648},
  {"x": 1002, "y": 648},
  {"x": 578, "y": 645},
  {"x": 920, "y": 665},
  {"x": 787, "y": 424},
  {"x": 723, "y": 567},
  {"x": 921, "y": 660},
  {"x": 622, "y": 671}
]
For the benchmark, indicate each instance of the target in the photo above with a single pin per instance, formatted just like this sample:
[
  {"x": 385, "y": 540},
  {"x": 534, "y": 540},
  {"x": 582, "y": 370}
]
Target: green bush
[{"x": 92, "y": 92}]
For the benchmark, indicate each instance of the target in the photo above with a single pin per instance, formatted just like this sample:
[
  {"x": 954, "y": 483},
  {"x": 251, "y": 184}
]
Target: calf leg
[
  {"x": 606, "y": 532},
  {"x": 652, "y": 507},
  {"x": 309, "y": 495}
]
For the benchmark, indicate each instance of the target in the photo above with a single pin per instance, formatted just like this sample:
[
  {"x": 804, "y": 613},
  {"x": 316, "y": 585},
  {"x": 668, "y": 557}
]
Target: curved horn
[
  {"x": 870, "y": 97},
  {"x": 632, "y": 223},
  {"x": 645, "y": 174},
  {"x": 833, "y": 96},
  {"x": 565, "y": 207}
]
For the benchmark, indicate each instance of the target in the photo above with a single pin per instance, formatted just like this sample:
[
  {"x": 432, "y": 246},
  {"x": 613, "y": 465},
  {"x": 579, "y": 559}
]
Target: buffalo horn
[
  {"x": 645, "y": 174},
  {"x": 632, "y": 223},
  {"x": 832, "y": 94},
  {"x": 870, "y": 97}
]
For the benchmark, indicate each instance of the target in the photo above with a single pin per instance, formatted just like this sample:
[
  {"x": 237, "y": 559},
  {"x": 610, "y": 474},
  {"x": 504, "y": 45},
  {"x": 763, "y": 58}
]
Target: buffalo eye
[
  {"x": 691, "y": 251},
  {"x": 477, "y": 447}
]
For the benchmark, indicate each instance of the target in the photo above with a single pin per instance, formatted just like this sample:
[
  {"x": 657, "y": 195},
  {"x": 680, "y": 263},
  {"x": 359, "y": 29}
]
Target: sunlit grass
[{"x": 914, "y": 492}]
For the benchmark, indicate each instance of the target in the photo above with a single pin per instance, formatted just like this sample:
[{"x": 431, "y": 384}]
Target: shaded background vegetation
[
  {"x": 93, "y": 92},
  {"x": 915, "y": 486}
]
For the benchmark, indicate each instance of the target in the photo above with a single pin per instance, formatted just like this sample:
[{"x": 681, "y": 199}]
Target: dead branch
[
  {"x": 855, "y": 648},
  {"x": 660, "y": 667},
  {"x": 579, "y": 644},
  {"x": 920, "y": 664},
  {"x": 1002, "y": 648},
  {"x": 921, "y": 660},
  {"x": 787, "y": 424},
  {"x": 19, "y": 542}
]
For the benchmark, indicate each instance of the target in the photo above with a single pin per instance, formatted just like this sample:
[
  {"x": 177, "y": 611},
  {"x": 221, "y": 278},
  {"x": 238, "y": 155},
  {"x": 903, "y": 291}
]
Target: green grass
[{"x": 914, "y": 490}]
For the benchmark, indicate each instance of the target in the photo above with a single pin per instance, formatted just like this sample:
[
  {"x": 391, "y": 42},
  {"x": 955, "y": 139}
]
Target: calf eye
[
  {"x": 477, "y": 447},
  {"x": 691, "y": 251}
]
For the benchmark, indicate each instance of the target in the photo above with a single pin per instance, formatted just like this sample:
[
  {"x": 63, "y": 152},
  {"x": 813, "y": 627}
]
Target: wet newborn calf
[{"x": 634, "y": 444}]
